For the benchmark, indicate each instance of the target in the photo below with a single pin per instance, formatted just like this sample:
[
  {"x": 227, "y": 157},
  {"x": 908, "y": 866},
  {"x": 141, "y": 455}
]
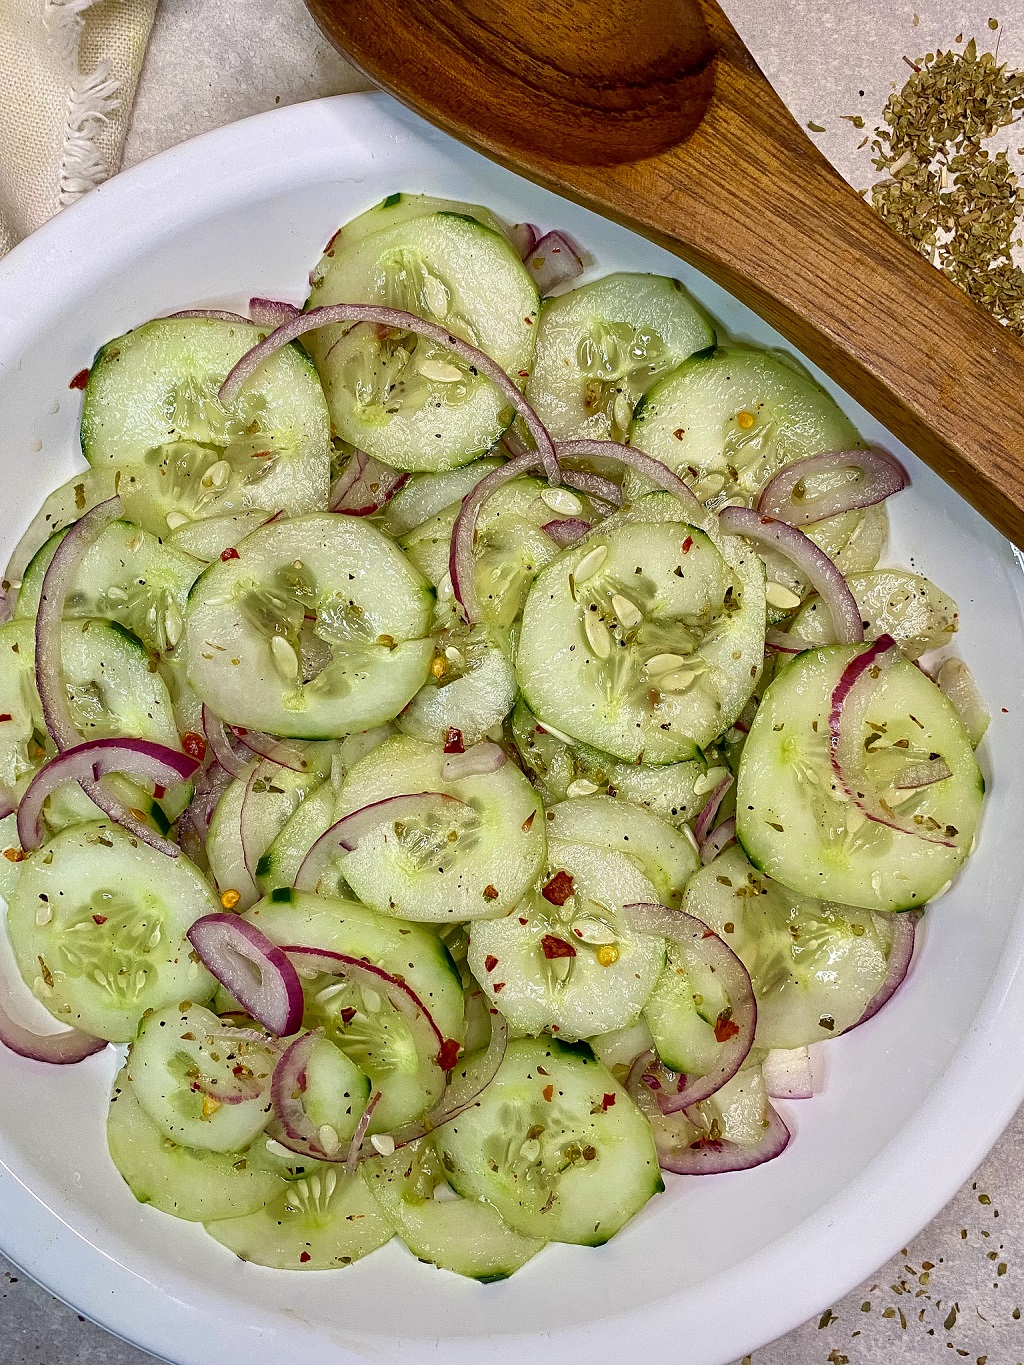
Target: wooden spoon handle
[{"x": 752, "y": 203}]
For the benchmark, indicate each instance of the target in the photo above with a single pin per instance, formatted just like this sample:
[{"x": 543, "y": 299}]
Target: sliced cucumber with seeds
[
  {"x": 183, "y": 1181},
  {"x": 392, "y": 212},
  {"x": 399, "y": 397},
  {"x": 313, "y": 816},
  {"x": 683, "y": 1012},
  {"x": 425, "y": 495},
  {"x": 98, "y": 923},
  {"x": 443, "y": 866},
  {"x": 667, "y": 858},
  {"x": 814, "y": 965},
  {"x": 336, "y": 1090},
  {"x": 475, "y": 691},
  {"x": 602, "y": 346},
  {"x": 295, "y": 637},
  {"x": 564, "y": 960},
  {"x": 437, "y": 1225},
  {"x": 792, "y": 820},
  {"x": 647, "y": 638},
  {"x": 325, "y": 1221},
  {"x": 555, "y": 1145},
  {"x": 151, "y": 403},
  {"x": 726, "y": 423},
  {"x": 918, "y": 615}
]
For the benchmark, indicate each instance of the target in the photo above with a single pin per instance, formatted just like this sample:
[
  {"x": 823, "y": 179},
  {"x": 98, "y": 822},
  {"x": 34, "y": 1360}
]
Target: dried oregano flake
[{"x": 942, "y": 189}]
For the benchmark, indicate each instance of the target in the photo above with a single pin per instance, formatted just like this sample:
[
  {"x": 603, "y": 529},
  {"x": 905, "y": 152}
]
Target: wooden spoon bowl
[{"x": 653, "y": 113}]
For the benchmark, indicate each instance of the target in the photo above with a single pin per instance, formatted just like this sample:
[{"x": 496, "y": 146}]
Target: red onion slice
[
  {"x": 851, "y": 698},
  {"x": 340, "y": 313},
  {"x": 218, "y": 314},
  {"x": 254, "y": 970},
  {"x": 57, "y": 581},
  {"x": 240, "y": 1090},
  {"x": 720, "y": 837},
  {"x": 344, "y": 835},
  {"x": 141, "y": 759},
  {"x": 702, "y": 825},
  {"x": 524, "y": 237},
  {"x": 787, "y": 1074},
  {"x": 219, "y": 740},
  {"x": 461, "y": 559},
  {"x": 271, "y": 312},
  {"x": 465, "y": 1086},
  {"x": 476, "y": 761},
  {"x": 694, "y": 934},
  {"x": 567, "y": 531},
  {"x": 355, "y": 1147},
  {"x": 595, "y": 486},
  {"x": 643, "y": 464},
  {"x": 901, "y": 952},
  {"x": 784, "y": 642},
  {"x": 877, "y": 476},
  {"x": 815, "y": 564},
  {"x": 66, "y": 1048},
  {"x": 285, "y": 753},
  {"x": 554, "y": 260},
  {"x": 365, "y": 485}
]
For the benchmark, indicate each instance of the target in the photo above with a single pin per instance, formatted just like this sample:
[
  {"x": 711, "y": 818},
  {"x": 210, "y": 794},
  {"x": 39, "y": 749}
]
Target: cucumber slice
[
  {"x": 399, "y": 397},
  {"x": 655, "y": 594},
  {"x": 793, "y": 826},
  {"x": 574, "y": 968},
  {"x": 61, "y": 509},
  {"x": 336, "y": 1090},
  {"x": 323, "y": 1222},
  {"x": 178, "y": 1052},
  {"x": 151, "y": 402},
  {"x": 464, "y": 1235},
  {"x": 185, "y": 1182},
  {"x": 814, "y": 965},
  {"x": 602, "y": 346},
  {"x": 667, "y": 858},
  {"x": 371, "y": 1034},
  {"x": 918, "y": 615},
  {"x": 296, "y": 637},
  {"x": 98, "y": 923},
  {"x": 425, "y": 495},
  {"x": 682, "y": 1013},
  {"x": 392, "y": 212},
  {"x": 555, "y": 1145},
  {"x": 417, "y": 870},
  {"x": 475, "y": 692},
  {"x": 312, "y": 817},
  {"x": 727, "y": 422},
  {"x": 208, "y": 539}
]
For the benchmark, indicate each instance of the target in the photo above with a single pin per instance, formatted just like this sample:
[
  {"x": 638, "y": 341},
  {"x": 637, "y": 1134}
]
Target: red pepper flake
[
  {"x": 304, "y": 1256},
  {"x": 453, "y": 742},
  {"x": 159, "y": 792},
  {"x": 524, "y": 374},
  {"x": 6, "y": 716},
  {"x": 523, "y": 921},
  {"x": 99, "y": 919},
  {"x": 525, "y": 826},
  {"x": 549, "y": 1093},
  {"x": 348, "y": 1014},
  {"x": 490, "y": 962},
  {"x": 448, "y": 1054},
  {"x": 606, "y": 1102},
  {"x": 498, "y": 986},
  {"x": 558, "y": 889},
  {"x": 542, "y": 1072},
  {"x": 194, "y": 745},
  {"x": 14, "y": 855},
  {"x": 708, "y": 933},
  {"x": 80, "y": 380},
  {"x": 679, "y": 433},
  {"x": 725, "y": 1029},
  {"x": 556, "y": 947},
  {"x": 687, "y": 545},
  {"x": 490, "y": 893},
  {"x": 229, "y": 553}
]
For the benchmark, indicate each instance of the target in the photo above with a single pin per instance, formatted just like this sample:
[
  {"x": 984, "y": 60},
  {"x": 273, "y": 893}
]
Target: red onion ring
[
  {"x": 784, "y": 642},
  {"x": 219, "y": 740},
  {"x": 566, "y": 532},
  {"x": 258, "y": 974},
  {"x": 285, "y": 753},
  {"x": 240, "y": 1091},
  {"x": 596, "y": 487},
  {"x": 879, "y": 475},
  {"x": 344, "y": 835},
  {"x": 465, "y": 1086},
  {"x": 901, "y": 953},
  {"x": 787, "y": 1074},
  {"x": 355, "y": 1147},
  {"x": 552, "y": 261},
  {"x": 851, "y": 697},
  {"x": 271, "y": 312},
  {"x": 365, "y": 485},
  {"x": 340, "y": 313},
  {"x": 66, "y": 1048},
  {"x": 720, "y": 837},
  {"x": 643, "y": 464},
  {"x": 815, "y": 564},
  {"x": 475, "y": 761},
  {"x": 141, "y": 759},
  {"x": 692, "y": 933},
  {"x": 524, "y": 237},
  {"x": 217, "y": 314},
  {"x": 702, "y": 825}
]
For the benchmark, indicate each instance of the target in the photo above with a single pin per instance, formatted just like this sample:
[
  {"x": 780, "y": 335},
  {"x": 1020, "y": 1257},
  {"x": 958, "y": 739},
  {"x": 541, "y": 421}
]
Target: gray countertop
[{"x": 954, "y": 1294}]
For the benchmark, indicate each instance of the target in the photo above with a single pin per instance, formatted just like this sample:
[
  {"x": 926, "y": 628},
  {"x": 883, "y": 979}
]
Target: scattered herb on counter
[{"x": 942, "y": 189}]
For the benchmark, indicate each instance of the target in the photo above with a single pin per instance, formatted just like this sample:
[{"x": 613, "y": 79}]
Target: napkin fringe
[{"x": 93, "y": 96}]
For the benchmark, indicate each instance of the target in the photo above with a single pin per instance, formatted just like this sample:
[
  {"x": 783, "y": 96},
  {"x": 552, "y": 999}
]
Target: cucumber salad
[{"x": 459, "y": 745}]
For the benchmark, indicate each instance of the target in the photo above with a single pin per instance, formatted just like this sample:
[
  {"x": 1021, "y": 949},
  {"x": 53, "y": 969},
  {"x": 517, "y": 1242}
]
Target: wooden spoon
[{"x": 653, "y": 113}]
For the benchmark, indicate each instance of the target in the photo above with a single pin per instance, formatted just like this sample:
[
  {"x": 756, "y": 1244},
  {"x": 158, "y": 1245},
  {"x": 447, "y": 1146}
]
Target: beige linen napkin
[{"x": 68, "y": 72}]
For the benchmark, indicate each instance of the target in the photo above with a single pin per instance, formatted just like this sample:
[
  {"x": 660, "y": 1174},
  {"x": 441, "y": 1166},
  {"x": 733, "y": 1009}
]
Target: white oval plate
[{"x": 716, "y": 1266}]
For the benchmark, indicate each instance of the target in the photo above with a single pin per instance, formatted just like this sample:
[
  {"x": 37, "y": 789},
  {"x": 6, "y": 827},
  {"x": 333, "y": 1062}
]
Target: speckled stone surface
[{"x": 953, "y": 1296}]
